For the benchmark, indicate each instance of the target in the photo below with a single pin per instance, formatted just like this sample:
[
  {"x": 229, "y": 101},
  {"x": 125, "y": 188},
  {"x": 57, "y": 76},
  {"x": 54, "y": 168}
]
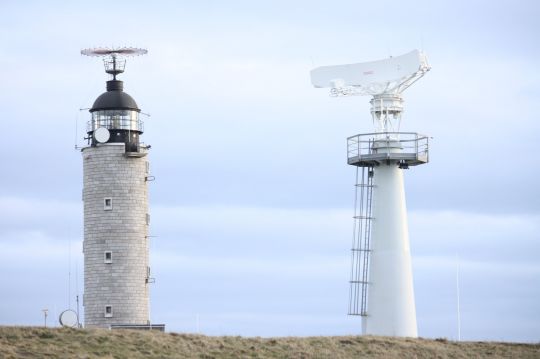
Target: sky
[{"x": 252, "y": 203}]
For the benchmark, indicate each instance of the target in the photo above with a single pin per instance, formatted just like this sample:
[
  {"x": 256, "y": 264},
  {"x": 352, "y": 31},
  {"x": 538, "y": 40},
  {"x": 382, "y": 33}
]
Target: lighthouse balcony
[{"x": 373, "y": 149}]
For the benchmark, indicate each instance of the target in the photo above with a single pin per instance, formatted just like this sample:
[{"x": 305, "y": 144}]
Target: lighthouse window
[
  {"x": 108, "y": 311},
  {"x": 107, "y": 204},
  {"x": 108, "y": 257},
  {"x": 147, "y": 218}
]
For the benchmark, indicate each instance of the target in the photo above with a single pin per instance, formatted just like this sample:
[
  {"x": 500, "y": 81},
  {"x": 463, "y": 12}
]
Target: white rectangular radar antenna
[{"x": 392, "y": 75}]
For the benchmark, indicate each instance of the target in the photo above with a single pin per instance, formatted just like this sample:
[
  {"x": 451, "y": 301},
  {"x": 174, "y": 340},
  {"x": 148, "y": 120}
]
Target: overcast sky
[{"x": 252, "y": 203}]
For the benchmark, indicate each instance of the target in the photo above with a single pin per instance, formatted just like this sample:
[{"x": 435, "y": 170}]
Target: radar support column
[
  {"x": 391, "y": 295},
  {"x": 388, "y": 308}
]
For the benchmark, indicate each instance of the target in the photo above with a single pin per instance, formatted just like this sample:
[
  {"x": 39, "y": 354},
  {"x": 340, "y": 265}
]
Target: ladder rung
[
  {"x": 360, "y": 250},
  {"x": 358, "y": 282},
  {"x": 363, "y": 217}
]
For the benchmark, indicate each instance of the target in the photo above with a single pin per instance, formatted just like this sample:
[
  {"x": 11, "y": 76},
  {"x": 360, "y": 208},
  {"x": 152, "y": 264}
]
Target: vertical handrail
[
  {"x": 352, "y": 297},
  {"x": 366, "y": 245},
  {"x": 360, "y": 250},
  {"x": 359, "y": 241},
  {"x": 416, "y": 146}
]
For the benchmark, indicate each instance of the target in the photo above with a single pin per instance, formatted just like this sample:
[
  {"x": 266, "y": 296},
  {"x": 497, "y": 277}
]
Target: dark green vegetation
[{"x": 33, "y": 342}]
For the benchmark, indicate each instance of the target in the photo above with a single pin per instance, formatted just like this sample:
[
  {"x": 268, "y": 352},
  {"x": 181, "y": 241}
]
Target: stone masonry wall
[{"x": 122, "y": 230}]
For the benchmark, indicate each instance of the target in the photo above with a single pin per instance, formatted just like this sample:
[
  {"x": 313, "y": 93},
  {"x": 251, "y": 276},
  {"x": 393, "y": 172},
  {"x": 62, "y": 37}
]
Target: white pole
[
  {"x": 69, "y": 271},
  {"x": 45, "y": 312},
  {"x": 458, "y": 304},
  {"x": 77, "y": 292}
]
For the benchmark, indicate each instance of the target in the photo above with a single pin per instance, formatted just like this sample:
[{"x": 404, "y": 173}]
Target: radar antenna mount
[
  {"x": 385, "y": 80},
  {"x": 114, "y": 58}
]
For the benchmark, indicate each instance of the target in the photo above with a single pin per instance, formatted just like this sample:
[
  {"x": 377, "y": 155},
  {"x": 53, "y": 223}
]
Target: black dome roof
[{"x": 114, "y": 99}]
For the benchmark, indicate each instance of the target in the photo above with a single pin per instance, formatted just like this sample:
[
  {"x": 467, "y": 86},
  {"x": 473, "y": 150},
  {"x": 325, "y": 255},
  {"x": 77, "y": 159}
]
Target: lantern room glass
[{"x": 116, "y": 120}]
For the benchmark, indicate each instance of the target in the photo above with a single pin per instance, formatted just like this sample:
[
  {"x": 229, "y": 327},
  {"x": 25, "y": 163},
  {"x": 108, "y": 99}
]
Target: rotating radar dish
[
  {"x": 102, "y": 135},
  {"x": 68, "y": 318},
  {"x": 121, "y": 51},
  {"x": 114, "y": 59}
]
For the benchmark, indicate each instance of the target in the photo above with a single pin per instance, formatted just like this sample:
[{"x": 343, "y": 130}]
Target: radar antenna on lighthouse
[
  {"x": 114, "y": 58},
  {"x": 381, "y": 284}
]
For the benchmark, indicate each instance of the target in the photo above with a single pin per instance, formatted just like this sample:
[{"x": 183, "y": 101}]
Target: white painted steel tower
[
  {"x": 115, "y": 195},
  {"x": 381, "y": 286}
]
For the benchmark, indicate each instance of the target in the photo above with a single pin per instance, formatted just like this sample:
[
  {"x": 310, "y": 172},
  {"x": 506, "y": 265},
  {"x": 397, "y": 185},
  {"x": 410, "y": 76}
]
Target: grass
[{"x": 34, "y": 342}]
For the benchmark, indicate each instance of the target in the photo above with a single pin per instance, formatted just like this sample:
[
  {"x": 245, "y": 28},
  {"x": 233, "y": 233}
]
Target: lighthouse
[{"x": 115, "y": 195}]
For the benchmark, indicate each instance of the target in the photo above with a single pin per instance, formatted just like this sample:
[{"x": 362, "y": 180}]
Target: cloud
[
  {"x": 234, "y": 265},
  {"x": 49, "y": 217},
  {"x": 484, "y": 236}
]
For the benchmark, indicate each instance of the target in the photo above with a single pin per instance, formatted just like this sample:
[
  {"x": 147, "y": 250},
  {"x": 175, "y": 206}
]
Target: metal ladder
[{"x": 361, "y": 248}]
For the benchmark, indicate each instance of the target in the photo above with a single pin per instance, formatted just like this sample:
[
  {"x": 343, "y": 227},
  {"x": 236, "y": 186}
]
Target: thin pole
[
  {"x": 69, "y": 272},
  {"x": 45, "y": 312},
  {"x": 77, "y": 291},
  {"x": 147, "y": 239},
  {"x": 114, "y": 66},
  {"x": 78, "y": 320},
  {"x": 458, "y": 304},
  {"x": 76, "y": 130}
]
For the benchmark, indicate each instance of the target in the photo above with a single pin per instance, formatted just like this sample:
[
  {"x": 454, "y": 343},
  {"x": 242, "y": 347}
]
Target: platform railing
[
  {"x": 115, "y": 124},
  {"x": 402, "y": 144}
]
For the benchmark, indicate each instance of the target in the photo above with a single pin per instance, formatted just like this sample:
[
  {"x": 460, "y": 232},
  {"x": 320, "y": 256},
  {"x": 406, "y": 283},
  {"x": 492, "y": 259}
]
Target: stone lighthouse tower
[{"x": 115, "y": 195}]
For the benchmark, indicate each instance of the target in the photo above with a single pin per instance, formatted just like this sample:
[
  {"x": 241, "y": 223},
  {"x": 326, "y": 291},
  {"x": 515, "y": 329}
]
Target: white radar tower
[{"x": 381, "y": 285}]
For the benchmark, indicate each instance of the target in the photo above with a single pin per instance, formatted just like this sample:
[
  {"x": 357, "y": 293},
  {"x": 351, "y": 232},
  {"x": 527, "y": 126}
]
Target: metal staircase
[{"x": 361, "y": 250}]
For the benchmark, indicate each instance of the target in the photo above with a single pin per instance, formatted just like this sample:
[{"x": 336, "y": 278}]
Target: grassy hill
[{"x": 33, "y": 342}]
